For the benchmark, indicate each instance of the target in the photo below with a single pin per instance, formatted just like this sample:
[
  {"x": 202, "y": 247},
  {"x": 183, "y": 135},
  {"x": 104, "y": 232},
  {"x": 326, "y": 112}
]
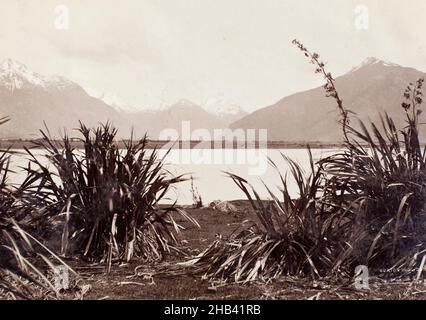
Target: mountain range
[
  {"x": 30, "y": 99},
  {"x": 368, "y": 90}
]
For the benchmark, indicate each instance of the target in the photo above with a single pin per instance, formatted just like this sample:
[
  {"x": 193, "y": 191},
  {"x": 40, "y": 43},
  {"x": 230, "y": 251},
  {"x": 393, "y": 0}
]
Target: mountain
[
  {"x": 29, "y": 99},
  {"x": 172, "y": 118},
  {"x": 373, "y": 87},
  {"x": 113, "y": 100},
  {"x": 226, "y": 113},
  {"x": 229, "y": 113},
  {"x": 225, "y": 107}
]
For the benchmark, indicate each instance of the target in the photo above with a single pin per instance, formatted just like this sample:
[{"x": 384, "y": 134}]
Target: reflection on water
[{"x": 208, "y": 168}]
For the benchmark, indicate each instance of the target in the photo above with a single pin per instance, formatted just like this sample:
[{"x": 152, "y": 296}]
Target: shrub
[
  {"x": 362, "y": 205},
  {"x": 24, "y": 261},
  {"x": 378, "y": 183},
  {"x": 106, "y": 200},
  {"x": 386, "y": 179},
  {"x": 289, "y": 238}
]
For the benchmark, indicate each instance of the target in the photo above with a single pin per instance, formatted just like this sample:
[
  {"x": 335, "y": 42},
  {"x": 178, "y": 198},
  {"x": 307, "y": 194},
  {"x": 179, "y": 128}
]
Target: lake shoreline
[{"x": 182, "y": 145}]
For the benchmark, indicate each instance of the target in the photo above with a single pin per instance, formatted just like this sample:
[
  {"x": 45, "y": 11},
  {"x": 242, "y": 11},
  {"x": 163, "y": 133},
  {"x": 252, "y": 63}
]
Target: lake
[{"x": 207, "y": 167}]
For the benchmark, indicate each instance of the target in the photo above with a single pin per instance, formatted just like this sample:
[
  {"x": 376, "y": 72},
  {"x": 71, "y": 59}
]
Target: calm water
[{"x": 208, "y": 166}]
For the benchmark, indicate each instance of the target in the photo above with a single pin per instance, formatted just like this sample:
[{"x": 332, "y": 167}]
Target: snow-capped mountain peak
[
  {"x": 15, "y": 75},
  {"x": 13, "y": 65},
  {"x": 182, "y": 103},
  {"x": 113, "y": 100},
  {"x": 370, "y": 61},
  {"x": 224, "y": 107},
  {"x": 231, "y": 109}
]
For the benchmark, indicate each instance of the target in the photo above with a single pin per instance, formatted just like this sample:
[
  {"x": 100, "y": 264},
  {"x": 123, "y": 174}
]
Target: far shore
[{"x": 32, "y": 144}]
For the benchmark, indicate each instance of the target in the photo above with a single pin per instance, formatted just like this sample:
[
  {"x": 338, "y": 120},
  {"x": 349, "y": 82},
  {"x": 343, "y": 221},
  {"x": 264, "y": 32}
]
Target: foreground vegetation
[
  {"x": 167, "y": 280},
  {"x": 363, "y": 205},
  {"x": 106, "y": 198},
  {"x": 99, "y": 205},
  {"x": 26, "y": 265}
]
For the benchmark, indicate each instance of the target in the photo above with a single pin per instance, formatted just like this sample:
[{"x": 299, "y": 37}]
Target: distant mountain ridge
[
  {"x": 30, "y": 99},
  {"x": 113, "y": 100},
  {"x": 16, "y": 76},
  {"x": 173, "y": 116},
  {"x": 373, "y": 87}
]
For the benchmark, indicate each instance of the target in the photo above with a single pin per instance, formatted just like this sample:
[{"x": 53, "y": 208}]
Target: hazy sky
[{"x": 154, "y": 52}]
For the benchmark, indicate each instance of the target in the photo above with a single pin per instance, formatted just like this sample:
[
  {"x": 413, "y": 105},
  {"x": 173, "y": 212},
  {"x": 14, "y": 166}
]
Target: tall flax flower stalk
[
  {"x": 363, "y": 204},
  {"x": 381, "y": 187}
]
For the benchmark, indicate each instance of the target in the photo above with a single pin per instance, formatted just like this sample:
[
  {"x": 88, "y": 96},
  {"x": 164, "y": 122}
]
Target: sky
[{"x": 153, "y": 53}]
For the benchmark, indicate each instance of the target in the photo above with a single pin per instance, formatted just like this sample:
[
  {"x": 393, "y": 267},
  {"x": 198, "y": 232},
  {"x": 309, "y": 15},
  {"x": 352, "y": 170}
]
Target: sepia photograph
[{"x": 198, "y": 151}]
